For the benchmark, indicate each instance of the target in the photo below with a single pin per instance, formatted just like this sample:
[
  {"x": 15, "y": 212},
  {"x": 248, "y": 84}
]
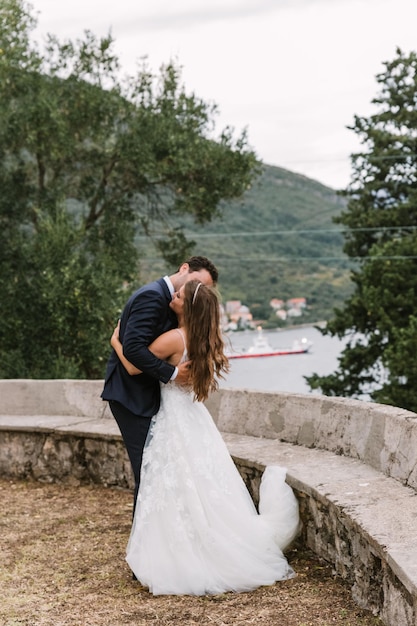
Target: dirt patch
[{"x": 62, "y": 563}]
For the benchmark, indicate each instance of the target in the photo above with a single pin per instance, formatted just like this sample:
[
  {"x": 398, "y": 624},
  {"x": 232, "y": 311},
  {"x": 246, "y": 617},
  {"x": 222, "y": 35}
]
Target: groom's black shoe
[{"x": 133, "y": 576}]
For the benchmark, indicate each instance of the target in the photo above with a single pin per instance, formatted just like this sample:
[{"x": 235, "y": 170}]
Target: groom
[{"x": 134, "y": 400}]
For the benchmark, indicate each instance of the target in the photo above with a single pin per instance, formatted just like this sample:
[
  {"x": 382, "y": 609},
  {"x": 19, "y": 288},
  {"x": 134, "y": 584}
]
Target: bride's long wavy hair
[{"x": 205, "y": 344}]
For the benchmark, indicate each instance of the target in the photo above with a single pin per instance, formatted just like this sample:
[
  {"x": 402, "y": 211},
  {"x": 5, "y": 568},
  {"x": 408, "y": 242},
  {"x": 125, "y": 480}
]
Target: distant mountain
[{"x": 278, "y": 241}]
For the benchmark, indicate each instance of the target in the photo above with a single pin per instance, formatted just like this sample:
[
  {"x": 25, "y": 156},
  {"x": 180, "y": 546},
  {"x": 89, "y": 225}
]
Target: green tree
[
  {"x": 379, "y": 318},
  {"x": 88, "y": 160}
]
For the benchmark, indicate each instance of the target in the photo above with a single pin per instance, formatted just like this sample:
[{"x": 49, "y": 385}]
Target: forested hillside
[{"x": 279, "y": 241}]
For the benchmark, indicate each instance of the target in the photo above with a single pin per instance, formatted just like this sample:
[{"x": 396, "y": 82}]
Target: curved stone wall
[
  {"x": 382, "y": 436},
  {"x": 53, "y": 397}
]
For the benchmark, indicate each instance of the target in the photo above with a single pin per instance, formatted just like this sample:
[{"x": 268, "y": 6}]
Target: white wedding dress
[{"x": 196, "y": 530}]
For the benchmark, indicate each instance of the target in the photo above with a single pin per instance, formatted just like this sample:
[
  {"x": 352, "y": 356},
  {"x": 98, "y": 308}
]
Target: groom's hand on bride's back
[{"x": 183, "y": 377}]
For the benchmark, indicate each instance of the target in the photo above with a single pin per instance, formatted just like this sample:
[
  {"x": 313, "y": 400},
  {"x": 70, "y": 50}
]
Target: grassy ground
[{"x": 62, "y": 563}]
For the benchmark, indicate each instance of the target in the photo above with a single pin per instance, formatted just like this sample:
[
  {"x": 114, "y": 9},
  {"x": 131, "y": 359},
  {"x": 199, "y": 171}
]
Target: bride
[{"x": 196, "y": 530}]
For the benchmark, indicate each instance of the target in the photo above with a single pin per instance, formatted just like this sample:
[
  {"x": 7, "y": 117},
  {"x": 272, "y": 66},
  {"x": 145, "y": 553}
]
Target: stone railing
[
  {"x": 352, "y": 465},
  {"x": 383, "y": 437}
]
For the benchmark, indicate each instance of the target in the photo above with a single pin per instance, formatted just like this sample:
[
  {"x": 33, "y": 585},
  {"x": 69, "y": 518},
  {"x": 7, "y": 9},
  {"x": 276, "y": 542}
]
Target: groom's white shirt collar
[
  {"x": 170, "y": 285},
  {"x": 172, "y": 291}
]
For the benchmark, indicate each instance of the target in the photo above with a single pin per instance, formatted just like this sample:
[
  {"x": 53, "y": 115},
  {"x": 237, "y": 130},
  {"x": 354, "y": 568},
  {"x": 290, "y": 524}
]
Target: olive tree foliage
[
  {"x": 379, "y": 320},
  {"x": 89, "y": 159}
]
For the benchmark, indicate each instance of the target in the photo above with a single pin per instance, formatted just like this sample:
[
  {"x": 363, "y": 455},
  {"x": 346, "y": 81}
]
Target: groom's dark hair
[{"x": 197, "y": 263}]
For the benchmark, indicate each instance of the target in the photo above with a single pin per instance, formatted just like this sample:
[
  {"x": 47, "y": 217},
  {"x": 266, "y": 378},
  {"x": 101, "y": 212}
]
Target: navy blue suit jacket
[{"x": 146, "y": 316}]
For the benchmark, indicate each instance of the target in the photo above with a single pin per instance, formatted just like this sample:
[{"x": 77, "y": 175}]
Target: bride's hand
[
  {"x": 183, "y": 377},
  {"x": 115, "y": 336}
]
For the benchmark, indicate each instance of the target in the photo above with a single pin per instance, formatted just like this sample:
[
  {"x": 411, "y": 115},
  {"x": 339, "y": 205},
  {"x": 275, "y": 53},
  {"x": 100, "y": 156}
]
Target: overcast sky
[{"x": 293, "y": 72}]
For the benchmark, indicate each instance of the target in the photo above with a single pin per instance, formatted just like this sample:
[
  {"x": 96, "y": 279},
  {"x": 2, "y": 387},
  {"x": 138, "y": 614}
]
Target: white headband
[{"x": 196, "y": 291}]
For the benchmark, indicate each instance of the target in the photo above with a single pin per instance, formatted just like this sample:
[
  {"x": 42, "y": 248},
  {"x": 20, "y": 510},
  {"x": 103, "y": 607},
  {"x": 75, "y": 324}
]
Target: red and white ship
[{"x": 261, "y": 348}]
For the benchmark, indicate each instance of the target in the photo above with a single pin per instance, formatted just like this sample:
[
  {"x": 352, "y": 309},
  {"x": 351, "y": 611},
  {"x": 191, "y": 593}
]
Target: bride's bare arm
[{"x": 168, "y": 347}]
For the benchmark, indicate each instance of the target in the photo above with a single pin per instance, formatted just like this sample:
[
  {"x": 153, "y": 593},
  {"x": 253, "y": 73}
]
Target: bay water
[{"x": 282, "y": 373}]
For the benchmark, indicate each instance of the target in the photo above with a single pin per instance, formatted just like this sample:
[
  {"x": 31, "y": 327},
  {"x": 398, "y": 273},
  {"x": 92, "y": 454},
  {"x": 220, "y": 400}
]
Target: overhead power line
[
  {"x": 320, "y": 258},
  {"x": 268, "y": 233},
  {"x": 296, "y": 259},
  {"x": 368, "y": 155}
]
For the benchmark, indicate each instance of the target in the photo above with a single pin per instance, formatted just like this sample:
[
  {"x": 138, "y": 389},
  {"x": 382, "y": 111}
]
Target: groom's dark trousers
[
  {"x": 134, "y": 430},
  {"x": 134, "y": 400}
]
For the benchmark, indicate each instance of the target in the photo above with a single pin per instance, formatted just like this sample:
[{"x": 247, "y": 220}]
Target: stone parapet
[
  {"x": 382, "y": 436},
  {"x": 53, "y": 397}
]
